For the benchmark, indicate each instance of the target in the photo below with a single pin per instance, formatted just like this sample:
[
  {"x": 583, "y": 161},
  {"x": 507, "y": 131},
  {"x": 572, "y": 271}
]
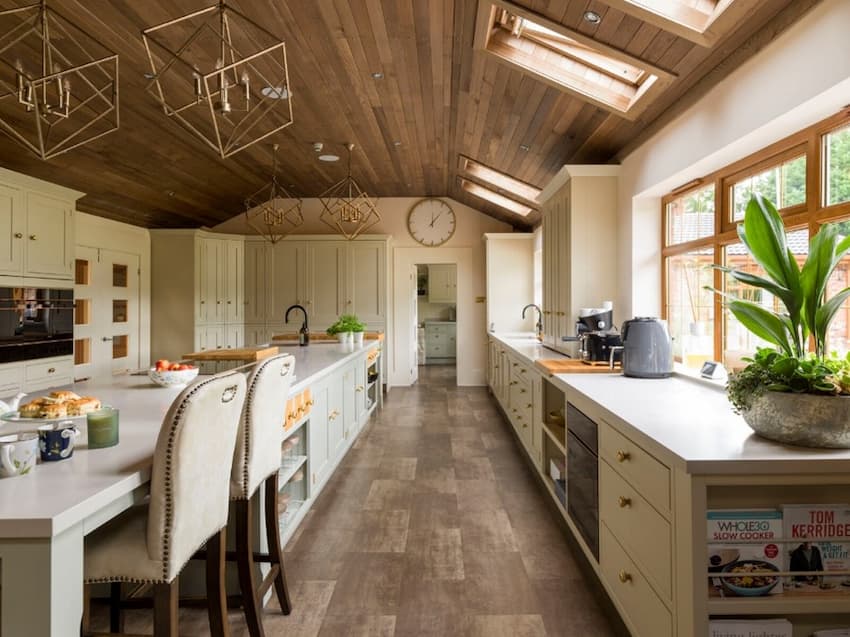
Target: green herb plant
[
  {"x": 346, "y": 323},
  {"x": 805, "y": 312}
]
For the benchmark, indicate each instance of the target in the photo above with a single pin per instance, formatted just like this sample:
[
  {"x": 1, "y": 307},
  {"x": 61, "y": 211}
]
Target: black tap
[
  {"x": 539, "y": 319},
  {"x": 304, "y": 332}
]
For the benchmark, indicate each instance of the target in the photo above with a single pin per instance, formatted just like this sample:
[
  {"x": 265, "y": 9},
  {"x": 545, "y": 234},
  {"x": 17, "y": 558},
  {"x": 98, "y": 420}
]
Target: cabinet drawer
[
  {"x": 56, "y": 369},
  {"x": 638, "y": 527},
  {"x": 10, "y": 378},
  {"x": 643, "y": 609},
  {"x": 649, "y": 477}
]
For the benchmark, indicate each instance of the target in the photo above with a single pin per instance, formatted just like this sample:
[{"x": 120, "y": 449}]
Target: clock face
[{"x": 431, "y": 222}]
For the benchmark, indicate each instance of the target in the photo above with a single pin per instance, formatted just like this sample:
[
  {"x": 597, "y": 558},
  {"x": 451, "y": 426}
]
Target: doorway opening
[{"x": 435, "y": 319}]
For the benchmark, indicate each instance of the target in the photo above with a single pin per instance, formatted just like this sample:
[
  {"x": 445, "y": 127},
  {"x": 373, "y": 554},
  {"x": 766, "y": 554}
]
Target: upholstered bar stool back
[
  {"x": 260, "y": 435},
  {"x": 188, "y": 505},
  {"x": 257, "y": 462}
]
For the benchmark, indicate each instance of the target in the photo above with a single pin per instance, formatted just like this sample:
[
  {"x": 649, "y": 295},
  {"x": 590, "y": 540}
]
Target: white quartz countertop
[
  {"x": 57, "y": 495},
  {"x": 527, "y": 346},
  {"x": 693, "y": 424}
]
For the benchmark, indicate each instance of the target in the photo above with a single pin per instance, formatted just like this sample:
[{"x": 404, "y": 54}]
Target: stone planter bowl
[{"x": 807, "y": 420}]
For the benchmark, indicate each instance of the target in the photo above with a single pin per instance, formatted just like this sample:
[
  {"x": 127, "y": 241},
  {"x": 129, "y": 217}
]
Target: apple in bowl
[{"x": 168, "y": 374}]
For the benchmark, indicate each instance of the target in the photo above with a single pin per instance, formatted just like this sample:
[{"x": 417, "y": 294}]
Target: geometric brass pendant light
[
  {"x": 58, "y": 84},
  {"x": 221, "y": 76},
  {"x": 346, "y": 208},
  {"x": 272, "y": 211}
]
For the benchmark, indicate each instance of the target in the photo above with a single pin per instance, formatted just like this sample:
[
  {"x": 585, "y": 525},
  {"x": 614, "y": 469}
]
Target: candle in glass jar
[{"x": 102, "y": 426}]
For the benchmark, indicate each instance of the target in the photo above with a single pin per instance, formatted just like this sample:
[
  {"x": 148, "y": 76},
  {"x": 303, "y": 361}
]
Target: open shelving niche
[
  {"x": 554, "y": 440},
  {"x": 294, "y": 491},
  {"x": 807, "y": 611}
]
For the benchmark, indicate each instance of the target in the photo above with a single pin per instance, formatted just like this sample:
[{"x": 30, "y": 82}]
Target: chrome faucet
[
  {"x": 539, "y": 319},
  {"x": 304, "y": 332}
]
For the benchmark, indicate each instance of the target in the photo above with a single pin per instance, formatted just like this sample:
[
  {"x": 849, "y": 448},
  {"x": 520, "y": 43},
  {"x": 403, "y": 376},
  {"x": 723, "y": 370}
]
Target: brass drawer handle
[
  {"x": 625, "y": 577},
  {"x": 622, "y": 456},
  {"x": 624, "y": 502}
]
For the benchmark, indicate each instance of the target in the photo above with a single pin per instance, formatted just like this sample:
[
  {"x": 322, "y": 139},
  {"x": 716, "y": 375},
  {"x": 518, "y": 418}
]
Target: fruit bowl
[{"x": 172, "y": 378}]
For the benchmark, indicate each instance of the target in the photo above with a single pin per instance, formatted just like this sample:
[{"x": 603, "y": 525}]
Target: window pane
[
  {"x": 784, "y": 185},
  {"x": 691, "y": 216},
  {"x": 838, "y": 336},
  {"x": 690, "y": 307},
  {"x": 737, "y": 340},
  {"x": 837, "y": 162}
]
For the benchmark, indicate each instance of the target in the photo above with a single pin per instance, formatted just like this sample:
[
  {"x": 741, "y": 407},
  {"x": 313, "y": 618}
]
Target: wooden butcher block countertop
[
  {"x": 237, "y": 354},
  {"x": 573, "y": 366}
]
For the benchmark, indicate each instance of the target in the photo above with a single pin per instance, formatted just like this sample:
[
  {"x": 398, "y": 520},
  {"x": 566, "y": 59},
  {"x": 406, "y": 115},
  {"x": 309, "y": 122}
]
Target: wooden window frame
[{"x": 811, "y": 214}]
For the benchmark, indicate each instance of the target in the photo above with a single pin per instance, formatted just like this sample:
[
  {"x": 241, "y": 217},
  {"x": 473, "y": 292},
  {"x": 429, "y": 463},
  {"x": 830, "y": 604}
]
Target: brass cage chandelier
[
  {"x": 347, "y": 208},
  {"x": 58, "y": 84},
  {"x": 272, "y": 211},
  {"x": 221, "y": 76}
]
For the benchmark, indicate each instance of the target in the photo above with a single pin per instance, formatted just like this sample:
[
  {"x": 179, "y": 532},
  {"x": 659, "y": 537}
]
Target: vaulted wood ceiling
[{"x": 438, "y": 99}]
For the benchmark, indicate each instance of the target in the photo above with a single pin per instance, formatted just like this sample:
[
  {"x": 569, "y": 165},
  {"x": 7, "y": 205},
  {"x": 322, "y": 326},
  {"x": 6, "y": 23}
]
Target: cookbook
[
  {"x": 821, "y": 534},
  {"x": 750, "y": 628}
]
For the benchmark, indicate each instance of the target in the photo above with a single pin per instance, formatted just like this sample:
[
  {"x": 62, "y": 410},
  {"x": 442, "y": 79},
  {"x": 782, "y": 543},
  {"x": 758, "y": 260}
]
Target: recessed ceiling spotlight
[
  {"x": 170, "y": 193},
  {"x": 149, "y": 76},
  {"x": 377, "y": 75},
  {"x": 592, "y": 17},
  {"x": 328, "y": 157},
  {"x": 276, "y": 92},
  {"x": 524, "y": 147},
  {"x": 396, "y": 143}
]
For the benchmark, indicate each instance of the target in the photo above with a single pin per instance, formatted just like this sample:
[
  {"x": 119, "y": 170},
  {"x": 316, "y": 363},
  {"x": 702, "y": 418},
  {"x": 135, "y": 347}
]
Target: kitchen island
[
  {"x": 668, "y": 450},
  {"x": 44, "y": 516}
]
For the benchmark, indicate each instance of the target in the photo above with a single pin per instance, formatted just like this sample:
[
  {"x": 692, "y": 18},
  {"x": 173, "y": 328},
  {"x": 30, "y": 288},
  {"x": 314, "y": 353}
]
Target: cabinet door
[
  {"x": 360, "y": 393},
  {"x": 326, "y": 268},
  {"x": 12, "y": 227},
  {"x": 336, "y": 416},
  {"x": 209, "y": 337},
  {"x": 367, "y": 282},
  {"x": 288, "y": 279},
  {"x": 234, "y": 336},
  {"x": 317, "y": 436},
  {"x": 349, "y": 402},
  {"x": 206, "y": 271},
  {"x": 234, "y": 280},
  {"x": 256, "y": 335},
  {"x": 257, "y": 291},
  {"x": 48, "y": 246},
  {"x": 438, "y": 284},
  {"x": 219, "y": 265}
]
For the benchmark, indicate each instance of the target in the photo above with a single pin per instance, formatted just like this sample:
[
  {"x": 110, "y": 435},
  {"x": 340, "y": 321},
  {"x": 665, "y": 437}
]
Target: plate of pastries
[{"x": 55, "y": 406}]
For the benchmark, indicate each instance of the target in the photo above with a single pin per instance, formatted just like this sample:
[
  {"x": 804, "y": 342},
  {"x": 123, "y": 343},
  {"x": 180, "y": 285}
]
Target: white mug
[{"x": 18, "y": 454}]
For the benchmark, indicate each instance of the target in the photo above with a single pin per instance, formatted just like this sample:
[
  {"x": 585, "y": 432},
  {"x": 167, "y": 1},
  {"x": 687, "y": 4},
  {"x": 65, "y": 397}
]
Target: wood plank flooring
[{"x": 433, "y": 525}]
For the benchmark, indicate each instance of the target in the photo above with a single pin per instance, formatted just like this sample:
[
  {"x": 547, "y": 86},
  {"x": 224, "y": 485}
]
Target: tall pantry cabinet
[
  {"x": 197, "y": 292},
  {"x": 579, "y": 253}
]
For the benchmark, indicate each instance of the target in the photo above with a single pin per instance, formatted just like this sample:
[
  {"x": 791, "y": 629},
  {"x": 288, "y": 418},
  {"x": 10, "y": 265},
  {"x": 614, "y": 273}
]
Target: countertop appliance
[
  {"x": 647, "y": 348},
  {"x": 596, "y": 335},
  {"x": 36, "y": 323},
  {"x": 583, "y": 476}
]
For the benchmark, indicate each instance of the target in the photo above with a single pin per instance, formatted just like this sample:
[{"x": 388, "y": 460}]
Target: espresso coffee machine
[{"x": 596, "y": 335}]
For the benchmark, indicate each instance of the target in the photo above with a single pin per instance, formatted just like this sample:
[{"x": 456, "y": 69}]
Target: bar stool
[
  {"x": 188, "y": 507},
  {"x": 256, "y": 461}
]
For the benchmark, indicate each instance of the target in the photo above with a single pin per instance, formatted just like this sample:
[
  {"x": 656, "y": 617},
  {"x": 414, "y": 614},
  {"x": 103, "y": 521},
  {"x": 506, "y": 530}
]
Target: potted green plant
[
  {"x": 786, "y": 393},
  {"x": 357, "y": 328},
  {"x": 347, "y": 326}
]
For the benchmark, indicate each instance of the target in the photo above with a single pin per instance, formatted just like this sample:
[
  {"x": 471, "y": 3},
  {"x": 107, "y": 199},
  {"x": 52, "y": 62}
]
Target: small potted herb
[{"x": 348, "y": 329}]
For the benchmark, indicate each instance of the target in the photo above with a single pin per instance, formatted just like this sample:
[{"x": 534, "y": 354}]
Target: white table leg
[{"x": 42, "y": 585}]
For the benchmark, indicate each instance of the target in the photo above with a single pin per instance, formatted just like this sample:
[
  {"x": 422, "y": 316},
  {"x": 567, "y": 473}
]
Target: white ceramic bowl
[{"x": 167, "y": 378}]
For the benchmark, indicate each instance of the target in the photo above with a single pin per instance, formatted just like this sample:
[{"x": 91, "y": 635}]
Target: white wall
[
  {"x": 466, "y": 248},
  {"x": 797, "y": 80},
  {"x": 96, "y": 232}
]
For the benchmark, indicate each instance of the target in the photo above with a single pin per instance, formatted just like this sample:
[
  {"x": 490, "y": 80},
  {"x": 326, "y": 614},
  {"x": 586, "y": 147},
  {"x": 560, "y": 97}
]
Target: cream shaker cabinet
[
  {"x": 36, "y": 229},
  {"x": 442, "y": 283},
  {"x": 326, "y": 261}
]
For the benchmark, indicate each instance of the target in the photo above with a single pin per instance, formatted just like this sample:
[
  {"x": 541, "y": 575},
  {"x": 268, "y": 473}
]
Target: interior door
[
  {"x": 121, "y": 308},
  {"x": 413, "y": 353}
]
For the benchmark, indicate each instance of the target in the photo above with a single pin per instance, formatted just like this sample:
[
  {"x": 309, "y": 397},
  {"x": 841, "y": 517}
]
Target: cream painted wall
[
  {"x": 798, "y": 79},
  {"x": 95, "y": 232},
  {"x": 466, "y": 248}
]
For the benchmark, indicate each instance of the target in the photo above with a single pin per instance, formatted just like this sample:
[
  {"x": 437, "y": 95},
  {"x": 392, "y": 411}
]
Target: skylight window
[
  {"x": 494, "y": 197},
  {"x": 502, "y": 183},
  {"x": 566, "y": 59},
  {"x": 690, "y": 19}
]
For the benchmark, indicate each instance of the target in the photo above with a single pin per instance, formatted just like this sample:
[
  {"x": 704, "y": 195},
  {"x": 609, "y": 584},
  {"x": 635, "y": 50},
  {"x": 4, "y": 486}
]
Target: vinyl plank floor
[{"x": 432, "y": 525}]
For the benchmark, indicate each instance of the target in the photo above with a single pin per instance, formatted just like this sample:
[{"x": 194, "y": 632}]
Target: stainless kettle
[{"x": 647, "y": 348}]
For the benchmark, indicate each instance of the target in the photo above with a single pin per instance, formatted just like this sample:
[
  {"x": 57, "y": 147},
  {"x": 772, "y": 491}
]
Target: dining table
[{"x": 46, "y": 514}]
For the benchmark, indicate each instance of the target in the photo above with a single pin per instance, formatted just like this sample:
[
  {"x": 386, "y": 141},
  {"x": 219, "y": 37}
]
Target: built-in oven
[
  {"x": 583, "y": 476},
  {"x": 36, "y": 323}
]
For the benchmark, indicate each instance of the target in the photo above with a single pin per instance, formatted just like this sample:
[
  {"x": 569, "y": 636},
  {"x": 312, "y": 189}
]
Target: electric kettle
[{"x": 647, "y": 348}]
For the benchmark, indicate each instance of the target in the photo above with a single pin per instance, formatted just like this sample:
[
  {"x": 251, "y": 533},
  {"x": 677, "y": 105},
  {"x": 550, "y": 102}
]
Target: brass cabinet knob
[
  {"x": 524, "y": 426},
  {"x": 625, "y": 577},
  {"x": 359, "y": 388},
  {"x": 622, "y": 456},
  {"x": 19, "y": 235},
  {"x": 528, "y": 406},
  {"x": 496, "y": 366},
  {"x": 513, "y": 410},
  {"x": 624, "y": 502},
  {"x": 52, "y": 370},
  {"x": 521, "y": 391},
  {"x": 546, "y": 312},
  {"x": 515, "y": 364},
  {"x": 522, "y": 371},
  {"x": 33, "y": 237},
  {"x": 513, "y": 382}
]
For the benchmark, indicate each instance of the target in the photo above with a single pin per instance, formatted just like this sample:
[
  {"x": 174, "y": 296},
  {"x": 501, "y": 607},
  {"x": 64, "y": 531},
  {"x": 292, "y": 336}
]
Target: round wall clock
[{"x": 431, "y": 222}]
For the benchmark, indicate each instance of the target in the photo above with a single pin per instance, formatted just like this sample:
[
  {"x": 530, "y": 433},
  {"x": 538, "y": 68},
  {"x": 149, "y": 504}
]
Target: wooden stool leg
[
  {"x": 216, "y": 591},
  {"x": 273, "y": 539},
  {"x": 245, "y": 566},
  {"x": 116, "y": 623},
  {"x": 165, "y": 609}
]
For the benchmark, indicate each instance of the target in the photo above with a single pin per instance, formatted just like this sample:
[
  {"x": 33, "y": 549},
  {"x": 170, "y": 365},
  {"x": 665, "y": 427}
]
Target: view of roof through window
[
  {"x": 499, "y": 180},
  {"x": 572, "y": 63},
  {"x": 693, "y": 14},
  {"x": 493, "y": 197}
]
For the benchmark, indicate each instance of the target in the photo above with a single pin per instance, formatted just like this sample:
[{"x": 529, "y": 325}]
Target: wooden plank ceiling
[{"x": 438, "y": 99}]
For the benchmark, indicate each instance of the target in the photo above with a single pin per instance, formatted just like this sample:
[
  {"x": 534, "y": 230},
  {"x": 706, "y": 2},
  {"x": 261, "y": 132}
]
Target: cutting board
[
  {"x": 248, "y": 354},
  {"x": 327, "y": 338},
  {"x": 572, "y": 366}
]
